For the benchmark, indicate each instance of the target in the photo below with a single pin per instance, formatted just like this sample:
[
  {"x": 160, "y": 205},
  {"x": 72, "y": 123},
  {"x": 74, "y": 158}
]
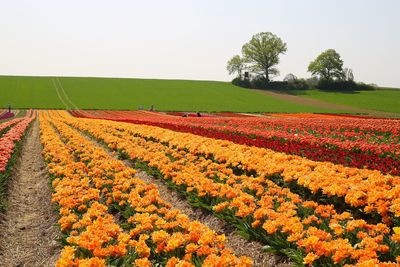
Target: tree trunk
[
  {"x": 267, "y": 75},
  {"x": 328, "y": 75}
]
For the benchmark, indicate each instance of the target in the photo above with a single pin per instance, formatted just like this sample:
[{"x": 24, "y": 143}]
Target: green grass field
[
  {"x": 171, "y": 95},
  {"x": 116, "y": 93},
  {"x": 383, "y": 99}
]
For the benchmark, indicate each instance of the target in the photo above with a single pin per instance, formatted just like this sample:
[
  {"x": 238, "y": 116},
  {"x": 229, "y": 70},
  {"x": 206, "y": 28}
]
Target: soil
[
  {"x": 28, "y": 235},
  {"x": 322, "y": 104}
]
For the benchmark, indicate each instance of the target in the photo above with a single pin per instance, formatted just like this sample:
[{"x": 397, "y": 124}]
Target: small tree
[
  {"x": 236, "y": 65},
  {"x": 348, "y": 74},
  {"x": 290, "y": 77},
  {"x": 262, "y": 53},
  {"x": 328, "y": 65}
]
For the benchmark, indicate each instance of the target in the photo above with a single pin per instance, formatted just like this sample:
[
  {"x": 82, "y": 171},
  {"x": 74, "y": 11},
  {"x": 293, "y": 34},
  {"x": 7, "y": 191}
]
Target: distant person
[
  {"x": 198, "y": 114},
  {"x": 152, "y": 108}
]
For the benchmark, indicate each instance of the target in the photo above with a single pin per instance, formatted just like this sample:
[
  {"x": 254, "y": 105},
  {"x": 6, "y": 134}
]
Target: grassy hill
[
  {"x": 171, "y": 95},
  {"x": 382, "y": 99},
  {"x": 118, "y": 93}
]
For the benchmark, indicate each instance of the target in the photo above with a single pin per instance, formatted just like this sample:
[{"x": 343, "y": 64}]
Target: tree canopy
[
  {"x": 260, "y": 57},
  {"x": 348, "y": 74},
  {"x": 236, "y": 65},
  {"x": 262, "y": 53},
  {"x": 290, "y": 77},
  {"x": 328, "y": 65}
]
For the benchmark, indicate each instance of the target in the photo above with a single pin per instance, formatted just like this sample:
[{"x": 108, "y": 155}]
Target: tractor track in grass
[
  {"x": 61, "y": 91},
  {"x": 28, "y": 236},
  {"x": 239, "y": 245},
  {"x": 59, "y": 94}
]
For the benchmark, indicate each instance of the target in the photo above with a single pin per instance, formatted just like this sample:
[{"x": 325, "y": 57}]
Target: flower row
[
  {"x": 359, "y": 154},
  {"x": 306, "y": 231},
  {"x": 303, "y": 123},
  {"x": 371, "y": 190},
  {"x": 111, "y": 217},
  {"x": 7, "y": 124},
  {"x": 6, "y": 115},
  {"x": 370, "y": 131},
  {"x": 9, "y": 139}
]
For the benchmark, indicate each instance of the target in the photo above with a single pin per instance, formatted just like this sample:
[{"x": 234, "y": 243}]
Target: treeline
[
  {"x": 303, "y": 84},
  {"x": 256, "y": 67}
]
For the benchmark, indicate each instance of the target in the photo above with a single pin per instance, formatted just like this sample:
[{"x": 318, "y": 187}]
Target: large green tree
[
  {"x": 262, "y": 53},
  {"x": 236, "y": 65},
  {"x": 328, "y": 65}
]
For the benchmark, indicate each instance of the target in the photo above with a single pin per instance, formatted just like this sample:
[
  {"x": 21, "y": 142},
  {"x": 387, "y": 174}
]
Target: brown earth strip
[
  {"x": 322, "y": 104},
  {"x": 28, "y": 235},
  {"x": 239, "y": 245}
]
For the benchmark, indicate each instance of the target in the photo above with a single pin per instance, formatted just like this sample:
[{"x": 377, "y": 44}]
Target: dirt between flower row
[{"x": 28, "y": 232}]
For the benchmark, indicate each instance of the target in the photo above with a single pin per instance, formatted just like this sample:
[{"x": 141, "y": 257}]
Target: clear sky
[{"x": 193, "y": 39}]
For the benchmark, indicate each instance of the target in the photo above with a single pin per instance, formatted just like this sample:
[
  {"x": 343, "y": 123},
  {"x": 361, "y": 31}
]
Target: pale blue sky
[{"x": 190, "y": 39}]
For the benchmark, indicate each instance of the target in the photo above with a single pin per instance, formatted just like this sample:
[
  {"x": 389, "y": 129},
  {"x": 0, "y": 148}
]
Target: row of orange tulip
[
  {"x": 324, "y": 141},
  {"x": 111, "y": 217},
  {"x": 360, "y": 188},
  {"x": 322, "y": 234},
  {"x": 371, "y": 190}
]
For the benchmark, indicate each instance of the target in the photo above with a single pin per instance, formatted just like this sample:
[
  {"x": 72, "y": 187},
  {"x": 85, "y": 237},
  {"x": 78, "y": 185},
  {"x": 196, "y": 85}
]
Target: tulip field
[
  {"x": 354, "y": 142},
  {"x": 318, "y": 190},
  {"x": 11, "y": 134},
  {"x": 314, "y": 212}
]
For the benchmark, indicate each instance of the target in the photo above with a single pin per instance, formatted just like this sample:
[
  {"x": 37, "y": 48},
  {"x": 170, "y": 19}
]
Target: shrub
[
  {"x": 299, "y": 84},
  {"x": 241, "y": 83},
  {"x": 262, "y": 83},
  {"x": 343, "y": 85},
  {"x": 302, "y": 84}
]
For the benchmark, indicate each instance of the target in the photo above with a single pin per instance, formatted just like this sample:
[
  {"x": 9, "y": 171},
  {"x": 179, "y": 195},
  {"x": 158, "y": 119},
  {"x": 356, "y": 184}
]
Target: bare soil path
[
  {"x": 322, "y": 104},
  {"x": 28, "y": 236}
]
